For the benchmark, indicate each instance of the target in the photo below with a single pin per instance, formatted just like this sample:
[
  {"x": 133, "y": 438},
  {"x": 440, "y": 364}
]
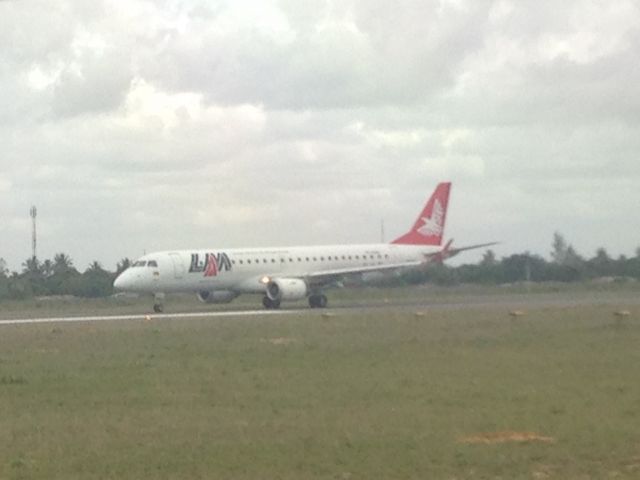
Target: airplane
[{"x": 282, "y": 274}]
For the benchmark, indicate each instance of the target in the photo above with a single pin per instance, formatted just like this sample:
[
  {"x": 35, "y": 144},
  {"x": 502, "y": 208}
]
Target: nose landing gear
[{"x": 158, "y": 302}]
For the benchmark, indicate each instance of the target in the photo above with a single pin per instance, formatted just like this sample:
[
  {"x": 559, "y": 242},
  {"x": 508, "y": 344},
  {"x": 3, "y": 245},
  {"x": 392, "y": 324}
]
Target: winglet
[{"x": 429, "y": 226}]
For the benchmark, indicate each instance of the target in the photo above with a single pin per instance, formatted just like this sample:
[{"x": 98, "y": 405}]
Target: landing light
[{"x": 265, "y": 280}]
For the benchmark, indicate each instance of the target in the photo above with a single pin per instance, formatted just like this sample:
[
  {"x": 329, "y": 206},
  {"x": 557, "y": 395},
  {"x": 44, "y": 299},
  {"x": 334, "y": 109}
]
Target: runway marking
[{"x": 156, "y": 316}]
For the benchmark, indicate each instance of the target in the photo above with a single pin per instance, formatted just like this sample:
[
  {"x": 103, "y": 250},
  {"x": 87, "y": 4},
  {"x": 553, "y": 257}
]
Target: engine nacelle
[
  {"x": 287, "y": 289},
  {"x": 216, "y": 296}
]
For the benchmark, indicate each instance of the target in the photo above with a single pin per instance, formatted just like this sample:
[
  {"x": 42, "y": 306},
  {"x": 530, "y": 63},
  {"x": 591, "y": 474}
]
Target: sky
[{"x": 171, "y": 124}]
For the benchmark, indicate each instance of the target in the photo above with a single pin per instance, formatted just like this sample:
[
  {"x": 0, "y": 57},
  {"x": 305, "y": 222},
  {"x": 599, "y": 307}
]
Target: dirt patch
[
  {"x": 507, "y": 436},
  {"x": 279, "y": 340}
]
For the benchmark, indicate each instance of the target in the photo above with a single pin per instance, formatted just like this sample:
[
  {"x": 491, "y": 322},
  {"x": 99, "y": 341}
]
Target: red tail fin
[{"x": 429, "y": 227}]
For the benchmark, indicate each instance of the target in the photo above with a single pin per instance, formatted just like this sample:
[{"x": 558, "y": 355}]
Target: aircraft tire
[
  {"x": 158, "y": 308},
  {"x": 318, "y": 301},
  {"x": 270, "y": 304},
  {"x": 322, "y": 301}
]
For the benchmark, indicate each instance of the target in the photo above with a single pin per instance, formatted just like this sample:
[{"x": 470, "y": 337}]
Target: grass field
[{"x": 372, "y": 395}]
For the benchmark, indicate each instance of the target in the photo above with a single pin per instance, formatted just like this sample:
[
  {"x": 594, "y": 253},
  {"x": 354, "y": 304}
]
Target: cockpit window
[
  {"x": 139, "y": 263},
  {"x": 152, "y": 263}
]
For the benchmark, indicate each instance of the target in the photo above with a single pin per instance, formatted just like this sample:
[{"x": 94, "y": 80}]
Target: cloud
[{"x": 151, "y": 125}]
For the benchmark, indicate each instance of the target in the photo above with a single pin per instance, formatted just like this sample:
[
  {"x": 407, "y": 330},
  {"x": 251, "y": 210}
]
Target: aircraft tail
[{"x": 429, "y": 226}]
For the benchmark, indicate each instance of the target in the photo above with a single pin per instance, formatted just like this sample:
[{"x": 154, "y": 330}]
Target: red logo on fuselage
[{"x": 212, "y": 264}]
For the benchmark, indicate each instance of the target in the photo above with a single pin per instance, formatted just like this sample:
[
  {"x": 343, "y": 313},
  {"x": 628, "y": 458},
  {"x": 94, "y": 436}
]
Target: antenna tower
[{"x": 33, "y": 212}]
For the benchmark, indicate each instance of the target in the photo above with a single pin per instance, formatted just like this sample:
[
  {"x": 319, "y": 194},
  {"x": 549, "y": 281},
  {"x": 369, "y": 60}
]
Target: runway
[{"x": 506, "y": 302}]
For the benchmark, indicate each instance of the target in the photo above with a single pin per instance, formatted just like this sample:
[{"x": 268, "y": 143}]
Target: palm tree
[
  {"x": 95, "y": 267},
  {"x": 47, "y": 268},
  {"x": 31, "y": 265},
  {"x": 62, "y": 263},
  {"x": 122, "y": 265}
]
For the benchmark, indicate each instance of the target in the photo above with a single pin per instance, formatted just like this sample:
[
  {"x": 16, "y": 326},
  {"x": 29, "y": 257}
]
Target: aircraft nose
[{"x": 122, "y": 282}]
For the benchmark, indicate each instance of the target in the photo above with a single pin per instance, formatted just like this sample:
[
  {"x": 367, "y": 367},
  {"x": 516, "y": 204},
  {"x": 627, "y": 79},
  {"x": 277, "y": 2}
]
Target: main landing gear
[
  {"x": 270, "y": 304},
  {"x": 318, "y": 300}
]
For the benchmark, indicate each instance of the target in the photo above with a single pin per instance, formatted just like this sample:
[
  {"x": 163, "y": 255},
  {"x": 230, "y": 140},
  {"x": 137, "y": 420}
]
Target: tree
[
  {"x": 559, "y": 252},
  {"x": 523, "y": 267},
  {"x": 62, "y": 263},
  {"x": 573, "y": 259},
  {"x": 567, "y": 265},
  {"x": 95, "y": 266},
  {"x": 31, "y": 265},
  {"x": 32, "y": 281},
  {"x": 4, "y": 280},
  {"x": 47, "y": 268},
  {"x": 94, "y": 282},
  {"x": 488, "y": 259},
  {"x": 122, "y": 265},
  {"x": 602, "y": 264}
]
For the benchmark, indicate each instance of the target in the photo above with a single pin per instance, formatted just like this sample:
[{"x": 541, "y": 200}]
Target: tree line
[
  {"x": 58, "y": 276},
  {"x": 565, "y": 265}
]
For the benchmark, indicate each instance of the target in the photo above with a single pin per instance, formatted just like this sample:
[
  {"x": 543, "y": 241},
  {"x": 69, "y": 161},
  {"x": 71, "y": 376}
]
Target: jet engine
[
  {"x": 287, "y": 289},
  {"x": 216, "y": 296}
]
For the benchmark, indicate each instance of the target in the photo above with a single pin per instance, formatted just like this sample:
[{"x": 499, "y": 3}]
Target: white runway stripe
[{"x": 106, "y": 318}]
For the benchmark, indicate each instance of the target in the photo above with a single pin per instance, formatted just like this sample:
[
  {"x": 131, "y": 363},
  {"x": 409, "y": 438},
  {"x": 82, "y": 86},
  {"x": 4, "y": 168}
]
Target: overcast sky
[{"x": 136, "y": 126}]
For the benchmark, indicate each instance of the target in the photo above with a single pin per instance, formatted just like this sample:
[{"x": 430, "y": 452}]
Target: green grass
[{"x": 362, "y": 396}]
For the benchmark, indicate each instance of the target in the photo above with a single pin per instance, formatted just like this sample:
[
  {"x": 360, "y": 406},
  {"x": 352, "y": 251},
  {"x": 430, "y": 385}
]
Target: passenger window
[{"x": 273, "y": 260}]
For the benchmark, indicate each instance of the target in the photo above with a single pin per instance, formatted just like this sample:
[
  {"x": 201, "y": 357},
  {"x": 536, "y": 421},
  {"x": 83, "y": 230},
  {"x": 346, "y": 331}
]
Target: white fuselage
[{"x": 247, "y": 270}]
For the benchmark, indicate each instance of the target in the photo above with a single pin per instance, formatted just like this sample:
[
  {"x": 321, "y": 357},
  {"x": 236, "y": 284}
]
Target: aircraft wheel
[
  {"x": 322, "y": 301},
  {"x": 158, "y": 308},
  {"x": 317, "y": 301},
  {"x": 266, "y": 302},
  {"x": 270, "y": 304}
]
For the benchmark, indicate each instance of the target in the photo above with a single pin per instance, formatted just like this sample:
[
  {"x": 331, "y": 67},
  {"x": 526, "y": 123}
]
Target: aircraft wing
[
  {"x": 328, "y": 276},
  {"x": 448, "y": 252}
]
